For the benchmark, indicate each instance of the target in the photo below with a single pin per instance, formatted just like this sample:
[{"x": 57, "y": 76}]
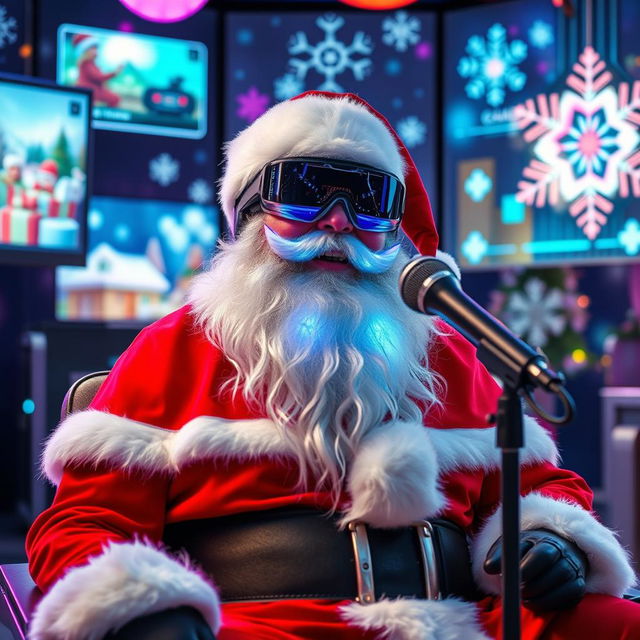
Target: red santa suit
[{"x": 161, "y": 444}]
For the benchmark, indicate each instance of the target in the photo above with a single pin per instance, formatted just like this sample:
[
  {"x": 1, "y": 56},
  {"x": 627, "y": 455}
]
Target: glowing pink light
[
  {"x": 126, "y": 27},
  {"x": 164, "y": 10},
  {"x": 423, "y": 50}
]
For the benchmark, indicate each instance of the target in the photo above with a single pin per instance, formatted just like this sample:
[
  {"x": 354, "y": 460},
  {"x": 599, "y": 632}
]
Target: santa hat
[
  {"x": 49, "y": 167},
  {"x": 340, "y": 126},
  {"x": 12, "y": 160},
  {"x": 83, "y": 42}
]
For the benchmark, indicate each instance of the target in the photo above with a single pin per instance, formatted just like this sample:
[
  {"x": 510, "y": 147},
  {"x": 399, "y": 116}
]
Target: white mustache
[{"x": 314, "y": 244}]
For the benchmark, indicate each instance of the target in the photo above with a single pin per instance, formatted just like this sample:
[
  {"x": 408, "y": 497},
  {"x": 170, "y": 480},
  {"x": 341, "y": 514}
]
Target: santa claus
[{"x": 295, "y": 454}]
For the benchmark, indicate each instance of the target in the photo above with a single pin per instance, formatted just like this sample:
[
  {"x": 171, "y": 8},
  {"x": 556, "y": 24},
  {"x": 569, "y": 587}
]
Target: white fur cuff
[
  {"x": 127, "y": 581},
  {"x": 609, "y": 568},
  {"x": 408, "y": 619}
]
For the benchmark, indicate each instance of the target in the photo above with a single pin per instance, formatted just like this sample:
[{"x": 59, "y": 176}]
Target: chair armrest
[{"x": 19, "y": 596}]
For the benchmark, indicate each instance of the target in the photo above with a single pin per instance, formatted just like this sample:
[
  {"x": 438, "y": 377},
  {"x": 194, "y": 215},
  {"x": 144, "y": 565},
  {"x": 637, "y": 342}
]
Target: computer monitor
[
  {"x": 140, "y": 83},
  {"x": 45, "y": 171},
  {"x": 140, "y": 260}
]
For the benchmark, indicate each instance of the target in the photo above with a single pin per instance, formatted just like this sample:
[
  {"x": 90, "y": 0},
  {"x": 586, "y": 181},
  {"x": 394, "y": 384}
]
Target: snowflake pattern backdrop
[
  {"x": 385, "y": 57},
  {"x": 542, "y": 140}
]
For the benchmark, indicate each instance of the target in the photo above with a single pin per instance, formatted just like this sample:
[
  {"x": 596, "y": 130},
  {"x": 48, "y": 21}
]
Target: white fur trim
[
  {"x": 94, "y": 437},
  {"x": 450, "y": 261},
  {"x": 609, "y": 568},
  {"x": 312, "y": 126},
  {"x": 408, "y": 619},
  {"x": 207, "y": 437},
  {"x": 476, "y": 448},
  {"x": 393, "y": 480},
  {"x": 125, "y": 582}
]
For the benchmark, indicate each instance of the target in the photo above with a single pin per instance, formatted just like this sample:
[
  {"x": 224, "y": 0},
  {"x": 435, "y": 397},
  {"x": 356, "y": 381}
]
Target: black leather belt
[{"x": 301, "y": 553}]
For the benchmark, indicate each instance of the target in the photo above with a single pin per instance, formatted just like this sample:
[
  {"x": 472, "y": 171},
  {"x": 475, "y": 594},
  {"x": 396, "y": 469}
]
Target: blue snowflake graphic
[
  {"x": 478, "y": 185},
  {"x": 393, "y": 66},
  {"x": 590, "y": 143},
  {"x": 475, "y": 247},
  {"x": 540, "y": 34},
  {"x": 244, "y": 36},
  {"x": 330, "y": 57},
  {"x": 491, "y": 66},
  {"x": 412, "y": 131},
  {"x": 401, "y": 31},
  {"x": 287, "y": 86},
  {"x": 629, "y": 237}
]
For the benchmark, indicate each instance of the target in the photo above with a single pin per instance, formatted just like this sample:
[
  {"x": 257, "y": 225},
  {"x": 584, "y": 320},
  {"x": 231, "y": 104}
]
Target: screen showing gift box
[
  {"x": 45, "y": 143},
  {"x": 140, "y": 83}
]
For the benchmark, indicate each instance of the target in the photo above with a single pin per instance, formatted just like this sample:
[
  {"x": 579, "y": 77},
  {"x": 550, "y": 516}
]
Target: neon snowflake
[
  {"x": 412, "y": 131},
  {"x": 330, "y": 57},
  {"x": 401, "y": 31},
  {"x": 478, "y": 185},
  {"x": 492, "y": 66},
  {"x": 536, "y": 313},
  {"x": 164, "y": 169},
  {"x": 287, "y": 86},
  {"x": 540, "y": 34},
  {"x": 586, "y": 147},
  {"x": 475, "y": 247},
  {"x": 7, "y": 28},
  {"x": 251, "y": 104},
  {"x": 200, "y": 192}
]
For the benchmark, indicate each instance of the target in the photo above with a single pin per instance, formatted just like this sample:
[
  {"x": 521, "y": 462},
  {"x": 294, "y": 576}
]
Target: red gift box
[{"x": 19, "y": 226}]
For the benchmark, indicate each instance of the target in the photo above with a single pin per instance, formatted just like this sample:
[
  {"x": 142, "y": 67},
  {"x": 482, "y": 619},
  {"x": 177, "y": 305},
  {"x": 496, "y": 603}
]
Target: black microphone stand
[{"x": 510, "y": 439}]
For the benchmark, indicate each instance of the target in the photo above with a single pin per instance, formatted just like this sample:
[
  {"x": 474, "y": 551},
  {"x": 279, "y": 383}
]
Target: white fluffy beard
[{"x": 326, "y": 355}]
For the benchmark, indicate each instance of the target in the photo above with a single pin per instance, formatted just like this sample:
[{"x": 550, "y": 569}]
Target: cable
[{"x": 566, "y": 399}]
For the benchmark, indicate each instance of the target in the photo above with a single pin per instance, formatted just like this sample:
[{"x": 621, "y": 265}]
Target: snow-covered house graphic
[{"x": 113, "y": 286}]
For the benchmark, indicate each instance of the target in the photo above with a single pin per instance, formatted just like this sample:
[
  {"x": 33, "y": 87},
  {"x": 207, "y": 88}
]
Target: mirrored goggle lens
[{"x": 304, "y": 185}]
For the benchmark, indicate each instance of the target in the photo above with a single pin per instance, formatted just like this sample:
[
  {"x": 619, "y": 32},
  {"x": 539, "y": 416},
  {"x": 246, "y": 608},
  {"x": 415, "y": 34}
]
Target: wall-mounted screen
[
  {"x": 542, "y": 137},
  {"x": 140, "y": 83},
  {"x": 45, "y": 144},
  {"x": 141, "y": 257}
]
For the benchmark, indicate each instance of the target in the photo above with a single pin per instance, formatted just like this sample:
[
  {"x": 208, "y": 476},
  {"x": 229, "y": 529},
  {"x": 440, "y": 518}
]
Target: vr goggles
[{"x": 304, "y": 189}]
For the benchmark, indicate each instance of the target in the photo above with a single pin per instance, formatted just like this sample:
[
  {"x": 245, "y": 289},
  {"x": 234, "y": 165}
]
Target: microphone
[{"x": 428, "y": 285}]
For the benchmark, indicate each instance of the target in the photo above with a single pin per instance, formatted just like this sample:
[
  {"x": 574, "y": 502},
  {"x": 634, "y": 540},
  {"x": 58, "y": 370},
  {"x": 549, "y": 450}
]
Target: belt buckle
[
  {"x": 424, "y": 530},
  {"x": 364, "y": 568}
]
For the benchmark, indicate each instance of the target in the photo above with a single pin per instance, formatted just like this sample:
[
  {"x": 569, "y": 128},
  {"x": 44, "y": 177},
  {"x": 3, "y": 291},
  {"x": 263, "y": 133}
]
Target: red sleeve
[
  {"x": 469, "y": 392},
  {"x": 93, "y": 507}
]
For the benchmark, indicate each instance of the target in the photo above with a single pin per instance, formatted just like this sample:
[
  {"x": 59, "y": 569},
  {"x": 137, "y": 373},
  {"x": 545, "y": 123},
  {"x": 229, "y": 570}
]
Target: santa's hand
[
  {"x": 183, "y": 623},
  {"x": 552, "y": 569}
]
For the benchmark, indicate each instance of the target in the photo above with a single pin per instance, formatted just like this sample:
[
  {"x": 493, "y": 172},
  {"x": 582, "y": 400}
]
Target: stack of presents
[{"x": 43, "y": 214}]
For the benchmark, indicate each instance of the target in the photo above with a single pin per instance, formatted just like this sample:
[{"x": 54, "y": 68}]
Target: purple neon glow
[{"x": 164, "y": 10}]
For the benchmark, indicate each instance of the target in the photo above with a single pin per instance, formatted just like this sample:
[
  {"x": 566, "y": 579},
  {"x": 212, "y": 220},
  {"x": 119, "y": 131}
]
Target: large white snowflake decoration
[
  {"x": 287, "y": 86},
  {"x": 401, "y": 31},
  {"x": 492, "y": 66},
  {"x": 164, "y": 169},
  {"x": 412, "y": 131},
  {"x": 586, "y": 144},
  {"x": 7, "y": 28},
  {"x": 330, "y": 57},
  {"x": 199, "y": 191},
  {"x": 536, "y": 313}
]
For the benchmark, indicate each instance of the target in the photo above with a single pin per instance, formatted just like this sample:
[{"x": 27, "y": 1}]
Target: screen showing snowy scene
[
  {"x": 387, "y": 57},
  {"x": 542, "y": 146},
  {"x": 44, "y": 149},
  {"x": 141, "y": 257},
  {"x": 140, "y": 83}
]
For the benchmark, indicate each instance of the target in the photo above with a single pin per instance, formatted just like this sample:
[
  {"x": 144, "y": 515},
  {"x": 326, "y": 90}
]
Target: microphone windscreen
[{"x": 415, "y": 273}]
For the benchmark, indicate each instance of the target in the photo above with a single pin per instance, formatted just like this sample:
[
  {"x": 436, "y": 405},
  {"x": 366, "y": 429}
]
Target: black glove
[
  {"x": 552, "y": 570},
  {"x": 183, "y": 623}
]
